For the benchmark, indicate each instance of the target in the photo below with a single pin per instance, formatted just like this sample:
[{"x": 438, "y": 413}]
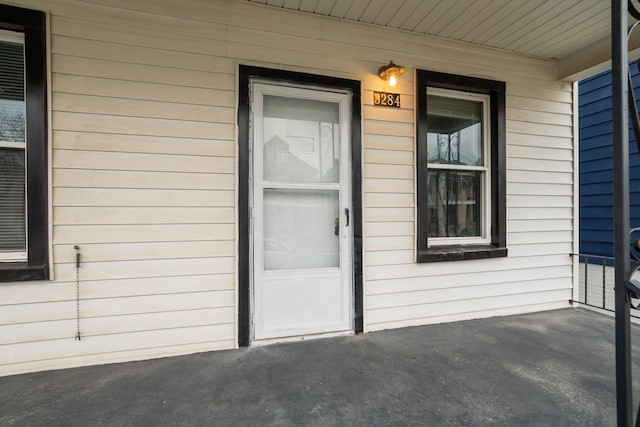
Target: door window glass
[
  {"x": 300, "y": 229},
  {"x": 301, "y": 140}
]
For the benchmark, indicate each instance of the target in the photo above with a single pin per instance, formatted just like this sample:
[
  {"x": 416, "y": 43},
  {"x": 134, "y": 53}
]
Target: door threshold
[{"x": 269, "y": 341}]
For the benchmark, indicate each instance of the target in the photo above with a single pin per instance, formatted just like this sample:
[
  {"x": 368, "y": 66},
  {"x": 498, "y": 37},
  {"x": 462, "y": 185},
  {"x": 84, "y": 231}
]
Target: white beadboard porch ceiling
[{"x": 576, "y": 33}]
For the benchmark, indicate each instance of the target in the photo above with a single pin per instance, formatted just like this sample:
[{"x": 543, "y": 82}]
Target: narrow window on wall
[
  {"x": 461, "y": 167},
  {"x": 13, "y": 190},
  {"x": 23, "y": 145},
  {"x": 457, "y": 164}
]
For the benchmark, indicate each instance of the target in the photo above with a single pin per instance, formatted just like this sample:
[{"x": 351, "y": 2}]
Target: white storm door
[{"x": 301, "y": 238}]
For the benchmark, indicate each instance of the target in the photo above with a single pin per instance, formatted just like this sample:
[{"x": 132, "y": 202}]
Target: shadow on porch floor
[{"x": 541, "y": 369}]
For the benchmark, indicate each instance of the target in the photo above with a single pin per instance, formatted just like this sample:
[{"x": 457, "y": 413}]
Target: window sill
[
  {"x": 460, "y": 253},
  {"x": 18, "y": 272}
]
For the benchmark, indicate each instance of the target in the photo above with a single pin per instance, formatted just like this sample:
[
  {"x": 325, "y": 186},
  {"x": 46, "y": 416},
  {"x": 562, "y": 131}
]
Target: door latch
[{"x": 336, "y": 224}]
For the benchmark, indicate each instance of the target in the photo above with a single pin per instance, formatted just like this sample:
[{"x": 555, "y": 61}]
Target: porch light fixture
[{"x": 391, "y": 72}]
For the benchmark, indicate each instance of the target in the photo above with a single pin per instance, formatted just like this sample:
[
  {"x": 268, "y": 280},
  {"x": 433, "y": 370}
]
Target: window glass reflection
[
  {"x": 454, "y": 131},
  {"x": 12, "y": 105},
  {"x": 454, "y": 203},
  {"x": 300, "y": 229},
  {"x": 301, "y": 140}
]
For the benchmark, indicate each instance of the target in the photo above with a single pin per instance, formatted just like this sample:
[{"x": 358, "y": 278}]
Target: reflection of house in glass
[
  {"x": 288, "y": 166},
  {"x": 302, "y": 140},
  {"x": 302, "y": 158}
]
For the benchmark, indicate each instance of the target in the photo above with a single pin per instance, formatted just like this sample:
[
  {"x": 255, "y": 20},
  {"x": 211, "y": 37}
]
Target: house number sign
[{"x": 386, "y": 99}]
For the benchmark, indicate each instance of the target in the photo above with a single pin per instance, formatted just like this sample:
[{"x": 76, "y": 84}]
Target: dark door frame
[{"x": 246, "y": 73}]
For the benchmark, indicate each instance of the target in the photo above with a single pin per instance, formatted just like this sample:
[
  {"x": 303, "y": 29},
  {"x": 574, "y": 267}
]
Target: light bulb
[{"x": 392, "y": 80}]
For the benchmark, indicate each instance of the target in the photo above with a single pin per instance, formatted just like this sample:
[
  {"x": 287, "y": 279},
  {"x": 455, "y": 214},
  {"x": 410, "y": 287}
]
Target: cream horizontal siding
[
  {"x": 111, "y": 288},
  {"x": 120, "y": 306},
  {"x": 143, "y": 144},
  {"x": 536, "y": 275},
  {"x": 147, "y": 90},
  {"x": 151, "y": 179},
  {"x": 458, "y": 312},
  {"x": 99, "y": 354},
  {"x": 125, "y": 323},
  {"x": 144, "y": 179},
  {"x": 57, "y": 350}
]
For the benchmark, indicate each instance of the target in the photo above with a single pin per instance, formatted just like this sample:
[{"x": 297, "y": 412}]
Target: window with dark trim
[
  {"x": 23, "y": 145},
  {"x": 461, "y": 167}
]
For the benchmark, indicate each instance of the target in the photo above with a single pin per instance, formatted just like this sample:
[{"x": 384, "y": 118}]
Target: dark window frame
[
  {"x": 32, "y": 24},
  {"x": 245, "y": 74},
  {"x": 497, "y": 197}
]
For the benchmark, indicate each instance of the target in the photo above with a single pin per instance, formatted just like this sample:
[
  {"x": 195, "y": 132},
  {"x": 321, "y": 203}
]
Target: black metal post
[
  {"x": 586, "y": 280},
  {"x": 604, "y": 283},
  {"x": 621, "y": 208}
]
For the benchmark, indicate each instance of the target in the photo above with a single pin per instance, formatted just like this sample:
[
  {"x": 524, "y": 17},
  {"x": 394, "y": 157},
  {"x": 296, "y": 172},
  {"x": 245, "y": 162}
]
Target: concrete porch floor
[{"x": 543, "y": 369}]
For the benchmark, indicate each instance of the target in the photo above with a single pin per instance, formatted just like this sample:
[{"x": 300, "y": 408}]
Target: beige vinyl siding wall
[{"x": 144, "y": 179}]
